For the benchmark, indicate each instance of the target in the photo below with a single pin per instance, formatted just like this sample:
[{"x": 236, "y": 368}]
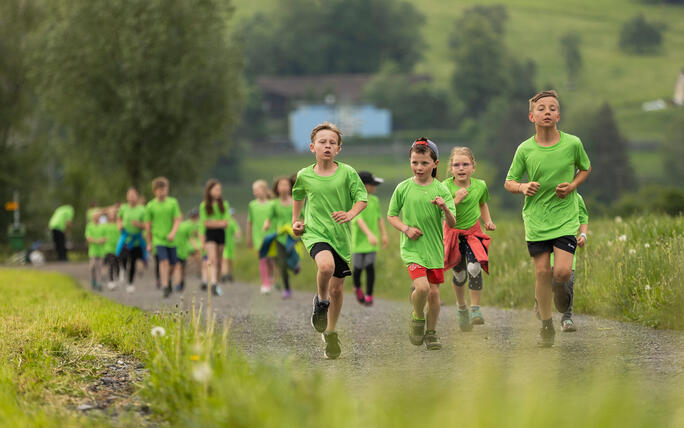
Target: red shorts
[{"x": 434, "y": 276}]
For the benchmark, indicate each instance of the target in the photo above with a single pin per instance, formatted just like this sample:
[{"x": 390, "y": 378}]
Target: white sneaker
[
  {"x": 111, "y": 285},
  {"x": 265, "y": 289},
  {"x": 130, "y": 289}
]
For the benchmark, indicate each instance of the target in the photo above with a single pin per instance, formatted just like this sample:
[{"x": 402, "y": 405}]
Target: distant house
[{"x": 678, "y": 97}]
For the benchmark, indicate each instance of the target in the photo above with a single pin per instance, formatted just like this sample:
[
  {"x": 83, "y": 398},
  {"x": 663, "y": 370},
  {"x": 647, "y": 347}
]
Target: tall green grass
[{"x": 635, "y": 279}]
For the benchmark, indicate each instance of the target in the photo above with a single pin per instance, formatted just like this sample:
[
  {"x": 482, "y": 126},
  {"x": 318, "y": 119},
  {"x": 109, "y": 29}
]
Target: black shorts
[
  {"x": 341, "y": 267},
  {"x": 215, "y": 235},
  {"x": 566, "y": 243}
]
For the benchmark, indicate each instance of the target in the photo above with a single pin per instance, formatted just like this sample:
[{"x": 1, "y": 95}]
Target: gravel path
[{"x": 375, "y": 343}]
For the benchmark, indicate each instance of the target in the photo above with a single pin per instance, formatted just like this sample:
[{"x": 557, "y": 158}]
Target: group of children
[{"x": 333, "y": 211}]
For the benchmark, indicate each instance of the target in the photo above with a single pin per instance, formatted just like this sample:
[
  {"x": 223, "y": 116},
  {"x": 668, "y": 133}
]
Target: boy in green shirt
[
  {"x": 334, "y": 195},
  {"x": 550, "y": 213},
  {"x": 59, "y": 226},
  {"x": 111, "y": 234},
  {"x": 187, "y": 243},
  {"x": 95, "y": 237},
  {"x": 162, "y": 218},
  {"x": 366, "y": 228}
]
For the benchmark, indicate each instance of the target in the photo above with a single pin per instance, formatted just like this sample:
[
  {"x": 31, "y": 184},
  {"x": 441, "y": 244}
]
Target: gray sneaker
[
  {"x": 567, "y": 326},
  {"x": 332, "y": 345},
  {"x": 416, "y": 331},
  {"x": 464, "y": 320},
  {"x": 319, "y": 316},
  {"x": 432, "y": 342}
]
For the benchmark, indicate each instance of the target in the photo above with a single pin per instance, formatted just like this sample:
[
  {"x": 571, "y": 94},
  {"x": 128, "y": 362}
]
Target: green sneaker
[
  {"x": 464, "y": 320},
  {"x": 416, "y": 331},
  {"x": 476, "y": 316},
  {"x": 547, "y": 336},
  {"x": 567, "y": 326},
  {"x": 432, "y": 342}
]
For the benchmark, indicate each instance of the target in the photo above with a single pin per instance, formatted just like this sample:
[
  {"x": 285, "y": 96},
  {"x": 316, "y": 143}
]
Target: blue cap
[{"x": 426, "y": 142}]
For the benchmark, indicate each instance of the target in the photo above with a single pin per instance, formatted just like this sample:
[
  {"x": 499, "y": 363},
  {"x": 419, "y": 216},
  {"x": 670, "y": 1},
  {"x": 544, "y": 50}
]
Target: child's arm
[
  {"x": 148, "y": 233},
  {"x": 527, "y": 189},
  {"x": 448, "y": 215},
  {"x": 372, "y": 239},
  {"x": 346, "y": 216},
  {"x": 172, "y": 235},
  {"x": 582, "y": 237},
  {"x": 249, "y": 234},
  {"x": 486, "y": 217},
  {"x": 564, "y": 189},
  {"x": 267, "y": 225},
  {"x": 411, "y": 232},
  {"x": 383, "y": 232},
  {"x": 297, "y": 225}
]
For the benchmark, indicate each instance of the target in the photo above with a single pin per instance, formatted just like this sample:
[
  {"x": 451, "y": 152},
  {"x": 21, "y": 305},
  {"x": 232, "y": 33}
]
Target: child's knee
[
  {"x": 459, "y": 277},
  {"x": 421, "y": 287},
  {"x": 542, "y": 271},
  {"x": 326, "y": 268},
  {"x": 474, "y": 269},
  {"x": 561, "y": 275},
  {"x": 433, "y": 291}
]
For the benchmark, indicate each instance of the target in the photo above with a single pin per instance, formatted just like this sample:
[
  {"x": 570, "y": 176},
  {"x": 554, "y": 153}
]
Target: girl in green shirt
[
  {"x": 257, "y": 211},
  {"x": 214, "y": 217},
  {"x": 280, "y": 215},
  {"x": 423, "y": 202}
]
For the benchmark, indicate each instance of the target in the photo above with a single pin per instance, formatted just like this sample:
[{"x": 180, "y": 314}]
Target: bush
[{"x": 639, "y": 36}]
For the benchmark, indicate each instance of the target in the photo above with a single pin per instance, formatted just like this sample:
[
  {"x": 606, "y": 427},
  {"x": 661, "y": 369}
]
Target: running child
[
  {"x": 257, "y": 212},
  {"x": 59, "y": 225},
  {"x": 214, "y": 218},
  {"x": 110, "y": 231},
  {"x": 162, "y": 218},
  {"x": 366, "y": 230},
  {"x": 280, "y": 215},
  {"x": 423, "y": 203},
  {"x": 466, "y": 247},
  {"x": 550, "y": 159},
  {"x": 233, "y": 234},
  {"x": 334, "y": 195},
  {"x": 95, "y": 239},
  {"x": 132, "y": 245},
  {"x": 186, "y": 243}
]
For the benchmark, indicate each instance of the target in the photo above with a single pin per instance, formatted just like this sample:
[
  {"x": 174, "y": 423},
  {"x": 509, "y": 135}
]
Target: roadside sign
[{"x": 11, "y": 206}]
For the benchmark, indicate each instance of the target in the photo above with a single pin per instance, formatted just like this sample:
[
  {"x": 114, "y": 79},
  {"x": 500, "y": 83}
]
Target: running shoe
[
  {"x": 476, "y": 317},
  {"x": 319, "y": 316},
  {"x": 464, "y": 320},
  {"x": 203, "y": 286},
  {"x": 287, "y": 294},
  {"x": 167, "y": 291},
  {"x": 432, "y": 342},
  {"x": 332, "y": 345},
  {"x": 359, "y": 295},
  {"x": 561, "y": 297},
  {"x": 567, "y": 326},
  {"x": 216, "y": 290},
  {"x": 180, "y": 287},
  {"x": 130, "y": 289},
  {"x": 111, "y": 285},
  {"x": 547, "y": 336},
  {"x": 368, "y": 300},
  {"x": 265, "y": 289},
  {"x": 416, "y": 331}
]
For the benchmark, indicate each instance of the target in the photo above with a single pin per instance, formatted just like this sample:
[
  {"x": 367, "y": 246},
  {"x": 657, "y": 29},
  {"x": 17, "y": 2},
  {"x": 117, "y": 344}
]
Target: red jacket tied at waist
[{"x": 478, "y": 241}]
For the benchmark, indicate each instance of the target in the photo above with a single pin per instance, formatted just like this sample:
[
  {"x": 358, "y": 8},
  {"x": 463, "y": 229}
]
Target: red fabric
[
  {"x": 434, "y": 276},
  {"x": 478, "y": 241}
]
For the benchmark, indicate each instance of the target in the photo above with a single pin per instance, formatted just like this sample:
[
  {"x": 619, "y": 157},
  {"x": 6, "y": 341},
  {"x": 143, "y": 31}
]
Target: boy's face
[
  {"x": 370, "y": 188},
  {"x": 132, "y": 197},
  {"x": 462, "y": 167},
  {"x": 422, "y": 165},
  {"x": 325, "y": 145},
  {"x": 161, "y": 192},
  {"x": 545, "y": 112}
]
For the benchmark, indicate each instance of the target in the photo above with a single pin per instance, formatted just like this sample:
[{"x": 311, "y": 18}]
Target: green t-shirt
[
  {"x": 280, "y": 215},
  {"x": 468, "y": 211},
  {"x": 61, "y": 216},
  {"x": 127, "y": 214},
  {"x": 414, "y": 204},
  {"x": 546, "y": 216},
  {"x": 257, "y": 213},
  {"x": 215, "y": 215},
  {"x": 90, "y": 212},
  {"x": 325, "y": 195},
  {"x": 583, "y": 219},
  {"x": 229, "y": 248},
  {"x": 370, "y": 216},
  {"x": 161, "y": 215},
  {"x": 94, "y": 231},
  {"x": 111, "y": 232},
  {"x": 186, "y": 230}
]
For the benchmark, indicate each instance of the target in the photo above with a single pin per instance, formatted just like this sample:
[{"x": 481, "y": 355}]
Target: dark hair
[
  {"x": 291, "y": 179},
  {"x": 422, "y": 149},
  {"x": 159, "y": 182},
  {"x": 208, "y": 200}
]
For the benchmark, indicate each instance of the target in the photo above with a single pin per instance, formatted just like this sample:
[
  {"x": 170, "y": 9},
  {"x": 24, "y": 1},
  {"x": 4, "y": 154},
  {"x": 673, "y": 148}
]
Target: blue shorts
[{"x": 167, "y": 253}]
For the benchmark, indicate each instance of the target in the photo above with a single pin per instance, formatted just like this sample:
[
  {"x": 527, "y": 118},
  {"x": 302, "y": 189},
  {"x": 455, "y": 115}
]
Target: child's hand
[
  {"x": 529, "y": 189},
  {"x": 460, "y": 195},
  {"x": 490, "y": 226},
  {"x": 170, "y": 237},
  {"x": 439, "y": 201},
  {"x": 149, "y": 248},
  {"x": 581, "y": 240},
  {"x": 341, "y": 217},
  {"x": 298, "y": 228},
  {"x": 414, "y": 233},
  {"x": 385, "y": 241},
  {"x": 372, "y": 239},
  {"x": 563, "y": 190}
]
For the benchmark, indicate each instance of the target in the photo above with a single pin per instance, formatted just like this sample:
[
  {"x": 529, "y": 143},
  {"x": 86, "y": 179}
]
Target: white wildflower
[
  {"x": 610, "y": 243},
  {"x": 201, "y": 372},
  {"x": 618, "y": 219},
  {"x": 622, "y": 238},
  {"x": 632, "y": 251},
  {"x": 158, "y": 331},
  {"x": 648, "y": 287},
  {"x": 647, "y": 245}
]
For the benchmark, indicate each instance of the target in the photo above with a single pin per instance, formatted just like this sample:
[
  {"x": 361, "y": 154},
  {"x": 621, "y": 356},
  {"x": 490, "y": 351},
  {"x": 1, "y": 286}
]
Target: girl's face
[
  {"x": 462, "y": 167},
  {"x": 259, "y": 192},
  {"x": 284, "y": 187},
  {"x": 132, "y": 197},
  {"x": 215, "y": 191},
  {"x": 422, "y": 165},
  {"x": 325, "y": 145}
]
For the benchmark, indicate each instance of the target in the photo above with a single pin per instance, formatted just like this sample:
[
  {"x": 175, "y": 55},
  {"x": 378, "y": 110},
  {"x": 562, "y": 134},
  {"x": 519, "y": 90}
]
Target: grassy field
[
  {"x": 55, "y": 334},
  {"x": 629, "y": 270},
  {"x": 534, "y": 30}
]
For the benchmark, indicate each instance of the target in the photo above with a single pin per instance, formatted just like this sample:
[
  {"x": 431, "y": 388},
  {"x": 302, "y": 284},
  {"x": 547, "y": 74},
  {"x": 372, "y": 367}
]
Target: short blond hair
[
  {"x": 264, "y": 185},
  {"x": 543, "y": 94},
  {"x": 327, "y": 126},
  {"x": 160, "y": 182}
]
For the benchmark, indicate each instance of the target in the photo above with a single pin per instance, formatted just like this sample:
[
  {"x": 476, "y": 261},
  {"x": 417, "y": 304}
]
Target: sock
[
  {"x": 547, "y": 323},
  {"x": 475, "y": 307},
  {"x": 416, "y": 317}
]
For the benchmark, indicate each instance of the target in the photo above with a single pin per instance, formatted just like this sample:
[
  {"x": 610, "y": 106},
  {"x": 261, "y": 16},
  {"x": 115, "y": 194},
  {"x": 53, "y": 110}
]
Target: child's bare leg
[
  {"x": 219, "y": 260},
  {"x": 460, "y": 293},
  {"x": 433, "y": 307},
  {"x": 177, "y": 273},
  {"x": 542, "y": 289},
  {"x": 270, "y": 266},
  {"x": 475, "y": 297},
  {"x": 225, "y": 267},
  {"x": 326, "y": 267},
  {"x": 562, "y": 265},
  {"x": 164, "y": 272},
  {"x": 336, "y": 291},
  {"x": 210, "y": 248},
  {"x": 421, "y": 288}
]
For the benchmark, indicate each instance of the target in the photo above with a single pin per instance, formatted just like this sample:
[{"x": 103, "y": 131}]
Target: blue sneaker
[{"x": 476, "y": 316}]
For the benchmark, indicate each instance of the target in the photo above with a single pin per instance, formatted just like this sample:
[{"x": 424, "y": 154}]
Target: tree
[
  {"x": 139, "y": 88},
  {"x": 332, "y": 36},
  {"x": 640, "y": 37},
  {"x": 570, "y": 48},
  {"x": 611, "y": 173}
]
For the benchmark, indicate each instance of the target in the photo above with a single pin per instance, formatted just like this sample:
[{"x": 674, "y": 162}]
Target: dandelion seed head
[
  {"x": 648, "y": 287},
  {"x": 618, "y": 219},
  {"x": 622, "y": 237},
  {"x": 201, "y": 372},
  {"x": 647, "y": 245},
  {"x": 632, "y": 251},
  {"x": 158, "y": 331}
]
